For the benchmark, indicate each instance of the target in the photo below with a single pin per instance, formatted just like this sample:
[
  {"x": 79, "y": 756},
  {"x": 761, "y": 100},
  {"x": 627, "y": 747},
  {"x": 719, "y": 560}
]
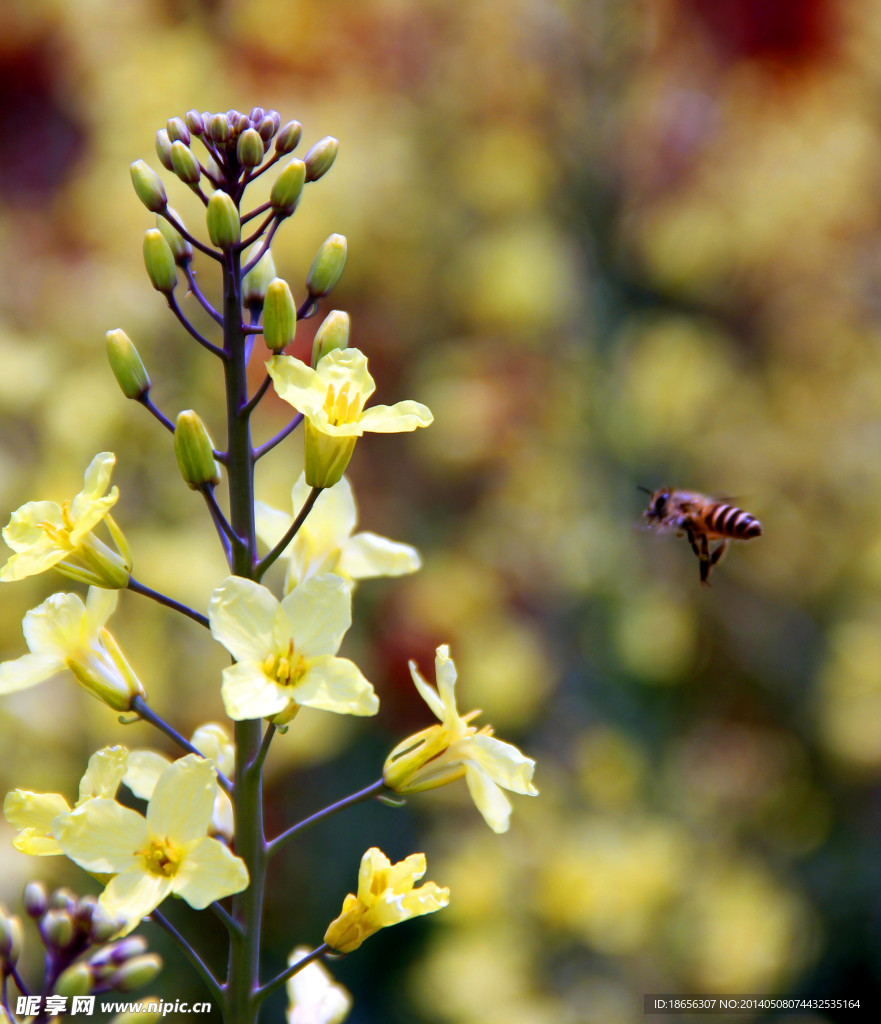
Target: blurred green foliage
[{"x": 608, "y": 244}]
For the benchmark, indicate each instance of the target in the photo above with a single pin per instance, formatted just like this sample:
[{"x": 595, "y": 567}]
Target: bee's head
[{"x": 657, "y": 507}]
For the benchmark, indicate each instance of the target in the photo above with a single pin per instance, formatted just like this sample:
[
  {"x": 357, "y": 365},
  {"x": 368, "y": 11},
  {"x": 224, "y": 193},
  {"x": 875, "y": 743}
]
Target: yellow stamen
[{"x": 161, "y": 857}]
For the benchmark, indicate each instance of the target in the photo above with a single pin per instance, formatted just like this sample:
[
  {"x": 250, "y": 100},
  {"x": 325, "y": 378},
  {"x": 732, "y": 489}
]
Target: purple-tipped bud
[
  {"x": 267, "y": 129},
  {"x": 177, "y": 130},
  {"x": 56, "y": 927},
  {"x": 62, "y": 898},
  {"x": 185, "y": 164},
  {"x": 35, "y": 899},
  {"x": 219, "y": 129},
  {"x": 320, "y": 157},
  {"x": 163, "y": 149},
  {"x": 195, "y": 122},
  {"x": 257, "y": 114},
  {"x": 288, "y": 137},
  {"x": 149, "y": 186},
  {"x": 249, "y": 148},
  {"x": 118, "y": 952}
]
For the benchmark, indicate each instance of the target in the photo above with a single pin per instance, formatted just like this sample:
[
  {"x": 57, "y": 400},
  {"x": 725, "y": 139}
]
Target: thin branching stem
[
  {"x": 273, "y": 227},
  {"x": 279, "y": 437},
  {"x": 194, "y": 242},
  {"x": 262, "y": 208},
  {"x": 217, "y": 515},
  {"x": 190, "y": 275},
  {"x": 213, "y": 985},
  {"x": 308, "y": 308},
  {"x": 256, "y": 766},
  {"x": 231, "y": 924},
  {"x": 277, "y": 982},
  {"x": 255, "y": 398},
  {"x": 154, "y": 411},
  {"x": 203, "y": 341},
  {"x": 266, "y": 562},
  {"x": 374, "y": 789},
  {"x": 251, "y": 239},
  {"x": 169, "y": 602}
]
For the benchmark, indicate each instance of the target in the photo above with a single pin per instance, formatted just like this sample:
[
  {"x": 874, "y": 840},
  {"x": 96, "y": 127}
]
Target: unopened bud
[
  {"x": 257, "y": 280},
  {"x": 102, "y": 926},
  {"x": 256, "y": 114},
  {"x": 240, "y": 123},
  {"x": 135, "y": 973},
  {"x": 288, "y": 137},
  {"x": 163, "y": 149},
  {"x": 56, "y": 927},
  {"x": 159, "y": 261},
  {"x": 195, "y": 122},
  {"x": 224, "y": 223},
  {"x": 213, "y": 171},
  {"x": 332, "y": 334},
  {"x": 75, "y": 981},
  {"x": 269, "y": 126},
  {"x": 185, "y": 164},
  {"x": 279, "y": 315},
  {"x": 177, "y": 130},
  {"x": 249, "y": 148},
  {"x": 85, "y": 910},
  {"x": 62, "y": 898},
  {"x": 127, "y": 366},
  {"x": 11, "y": 938},
  {"x": 149, "y": 186},
  {"x": 287, "y": 187},
  {"x": 181, "y": 249},
  {"x": 327, "y": 266},
  {"x": 219, "y": 129},
  {"x": 320, "y": 157},
  {"x": 194, "y": 451},
  {"x": 118, "y": 952},
  {"x": 35, "y": 899}
]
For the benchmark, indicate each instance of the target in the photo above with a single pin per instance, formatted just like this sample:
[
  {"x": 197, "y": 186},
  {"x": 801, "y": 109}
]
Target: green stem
[
  {"x": 202, "y": 968},
  {"x": 244, "y": 948},
  {"x": 295, "y": 968}
]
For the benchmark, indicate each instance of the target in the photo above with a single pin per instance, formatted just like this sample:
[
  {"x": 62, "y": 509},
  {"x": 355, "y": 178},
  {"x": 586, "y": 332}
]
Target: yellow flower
[
  {"x": 313, "y": 996},
  {"x": 65, "y": 633},
  {"x": 45, "y": 535},
  {"x": 386, "y": 896},
  {"x": 332, "y": 399},
  {"x": 445, "y": 752},
  {"x": 212, "y": 741},
  {"x": 285, "y": 650},
  {"x": 32, "y": 814},
  {"x": 167, "y": 852},
  {"x": 325, "y": 543}
]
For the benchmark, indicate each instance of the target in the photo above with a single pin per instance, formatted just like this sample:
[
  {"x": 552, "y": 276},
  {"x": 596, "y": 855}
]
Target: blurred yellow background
[{"x": 609, "y": 244}]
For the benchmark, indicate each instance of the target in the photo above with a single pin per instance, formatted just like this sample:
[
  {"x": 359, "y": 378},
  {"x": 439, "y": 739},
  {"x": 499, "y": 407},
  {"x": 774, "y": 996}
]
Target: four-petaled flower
[
  {"x": 442, "y": 753},
  {"x": 45, "y": 535},
  {"x": 325, "y": 543},
  {"x": 332, "y": 399},
  {"x": 386, "y": 896},
  {"x": 32, "y": 814},
  {"x": 167, "y": 852},
  {"x": 285, "y": 650},
  {"x": 63, "y": 633},
  {"x": 313, "y": 996}
]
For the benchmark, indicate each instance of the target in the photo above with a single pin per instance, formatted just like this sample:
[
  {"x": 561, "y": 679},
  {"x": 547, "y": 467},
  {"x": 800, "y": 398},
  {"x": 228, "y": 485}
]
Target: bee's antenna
[{"x": 647, "y": 491}]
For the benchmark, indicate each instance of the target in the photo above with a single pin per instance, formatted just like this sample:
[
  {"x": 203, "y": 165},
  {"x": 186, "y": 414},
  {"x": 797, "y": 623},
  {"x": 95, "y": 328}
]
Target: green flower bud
[
  {"x": 185, "y": 164},
  {"x": 163, "y": 149},
  {"x": 11, "y": 938},
  {"x": 56, "y": 927},
  {"x": 320, "y": 157},
  {"x": 75, "y": 981},
  {"x": 129, "y": 370},
  {"x": 327, "y": 266},
  {"x": 332, "y": 334},
  {"x": 35, "y": 899},
  {"x": 288, "y": 137},
  {"x": 224, "y": 223},
  {"x": 137, "y": 972},
  {"x": 249, "y": 148},
  {"x": 195, "y": 122},
  {"x": 181, "y": 249},
  {"x": 149, "y": 186},
  {"x": 219, "y": 129},
  {"x": 112, "y": 680},
  {"x": 257, "y": 280},
  {"x": 287, "y": 187},
  {"x": 279, "y": 315},
  {"x": 177, "y": 130},
  {"x": 142, "y": 1016},
  {"x": 194, "y": 451},
  {"x": 159, "y": 261}
]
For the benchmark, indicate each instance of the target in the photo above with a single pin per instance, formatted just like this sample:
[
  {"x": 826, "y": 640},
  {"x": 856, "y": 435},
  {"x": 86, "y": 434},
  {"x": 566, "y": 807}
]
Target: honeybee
[{"x": 702, "y": 520}]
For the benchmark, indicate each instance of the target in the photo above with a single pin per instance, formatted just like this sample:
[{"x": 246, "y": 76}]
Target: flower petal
[
  {"x": 270, "y": 523},
  {"x": 102, "y": 835},
  {"x": 26, "y": 810},
  {"x": 55, "y": 626},
  {"x": 367, "y": 555},
  {"x": 241, "y": 614},
  {"x": 104, "y": 773},
  {"x": 392, "y": 419},
  {"x": 445, "y": 673},
  {"x": 100, "y": 605},
  {"x": 347, "y": 365},
  {"x": 317, "y": 615},
  {"x": 297, "y": 384},
  {"x": 28, "y": 670},
  {"x": 503, "y": 763},
  {"x": 248, "y": 693},
  {"x": 336, "y": 684},
  {"x": 143, "y": 771},
  {"x": 488, "y": 798},
  {"x": 134, "y": 894},
  {"x": 208, "y": 872},
  {"x": 24, "y": 529},
  {"x": 181, "y": 804},
  {"x": 427, "y": 692}
]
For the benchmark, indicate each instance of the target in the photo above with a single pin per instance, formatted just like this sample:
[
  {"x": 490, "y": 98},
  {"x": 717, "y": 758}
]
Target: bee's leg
[
  {"x": 706, "y": 562},
  {"x": 690, "y": 534},
  {"x": 719, "y": 552}
]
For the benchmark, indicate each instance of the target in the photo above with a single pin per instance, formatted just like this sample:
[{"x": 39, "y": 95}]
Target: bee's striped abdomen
[{"x": 728, "y": 521}]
